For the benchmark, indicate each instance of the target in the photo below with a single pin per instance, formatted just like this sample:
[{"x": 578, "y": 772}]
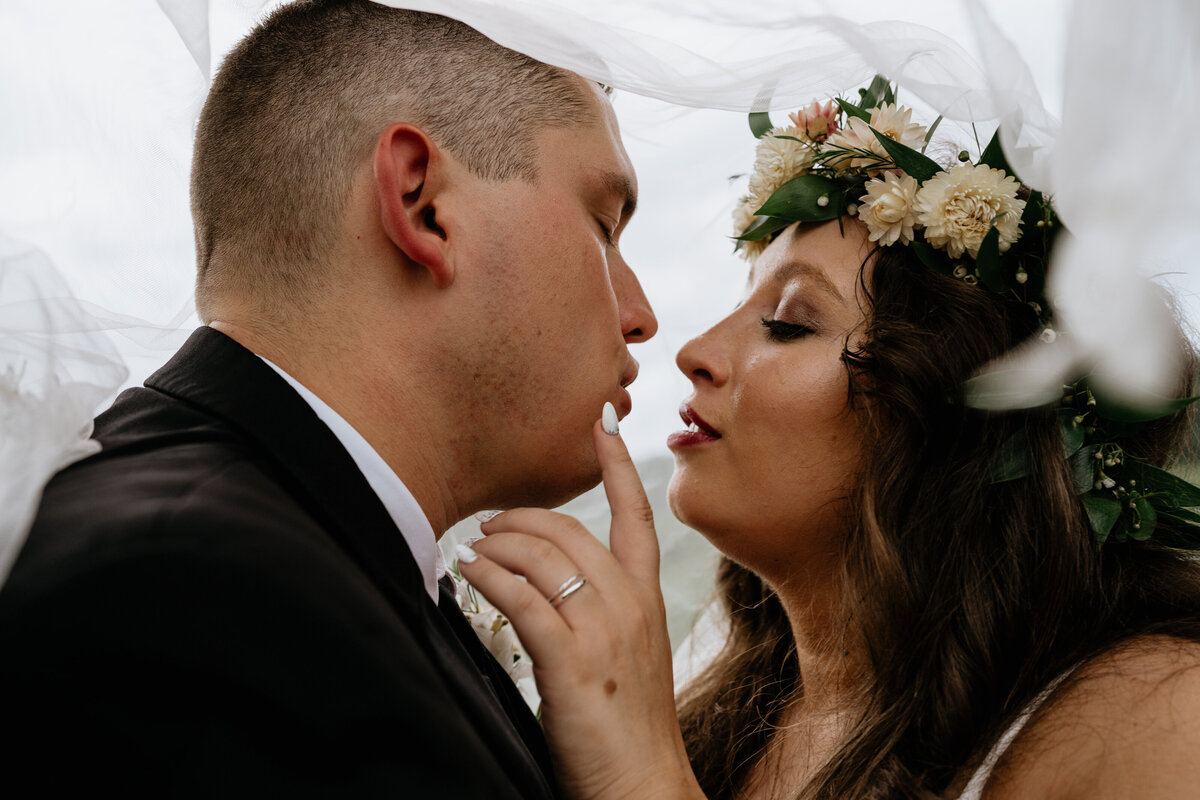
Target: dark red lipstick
[{"x": 697, "y": 433}]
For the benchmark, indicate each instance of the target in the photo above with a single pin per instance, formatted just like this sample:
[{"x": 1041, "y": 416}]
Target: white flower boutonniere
[{"x": 498, "y": 637}]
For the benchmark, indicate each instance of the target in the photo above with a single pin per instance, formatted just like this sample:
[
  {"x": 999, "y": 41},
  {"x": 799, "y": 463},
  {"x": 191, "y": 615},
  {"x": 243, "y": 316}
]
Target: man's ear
[{"x": 409, "y": 173}]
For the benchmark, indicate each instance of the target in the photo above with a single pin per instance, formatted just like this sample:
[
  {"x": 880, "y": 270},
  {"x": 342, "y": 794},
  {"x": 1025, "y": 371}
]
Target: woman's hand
[{"x": 600, "y": 652}]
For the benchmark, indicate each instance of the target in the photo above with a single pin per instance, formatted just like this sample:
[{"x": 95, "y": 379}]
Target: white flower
[
  {"x": 957, "y": 208},
  {"x": 890, "y": 120},
  {"x": 743, "y": 218},
  {"x": 887, "y": 208},
  {"x": 497, "y": 635},
  {"x": 777, "y": 161},
  {"x": 893, "y": 122}
]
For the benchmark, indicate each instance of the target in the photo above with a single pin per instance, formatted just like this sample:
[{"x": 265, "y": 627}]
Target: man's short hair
[{"x": 297, "y": 107}]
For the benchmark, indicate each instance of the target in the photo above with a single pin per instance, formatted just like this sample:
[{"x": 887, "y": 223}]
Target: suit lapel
[
  {"x": 495, "y": 693},
  {"x": 215, "y": 372},
  {"x": 497, "y": 679}
]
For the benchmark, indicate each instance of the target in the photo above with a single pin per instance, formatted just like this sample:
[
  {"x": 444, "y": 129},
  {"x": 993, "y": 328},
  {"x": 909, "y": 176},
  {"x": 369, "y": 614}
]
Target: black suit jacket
[{"x": 219, "y": 605}]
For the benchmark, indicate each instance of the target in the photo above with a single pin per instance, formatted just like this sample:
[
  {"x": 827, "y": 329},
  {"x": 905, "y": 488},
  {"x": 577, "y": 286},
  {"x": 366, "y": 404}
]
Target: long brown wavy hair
[{"x": 971, "y": 597}]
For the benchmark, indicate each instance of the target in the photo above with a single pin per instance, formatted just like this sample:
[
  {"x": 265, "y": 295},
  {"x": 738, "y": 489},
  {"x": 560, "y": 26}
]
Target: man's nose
[{"x": 638, "y": 322}]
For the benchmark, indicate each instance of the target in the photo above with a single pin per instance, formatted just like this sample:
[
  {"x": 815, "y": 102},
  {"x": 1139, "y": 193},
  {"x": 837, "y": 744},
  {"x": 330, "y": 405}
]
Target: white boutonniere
[{"x": 498, "y": 637}]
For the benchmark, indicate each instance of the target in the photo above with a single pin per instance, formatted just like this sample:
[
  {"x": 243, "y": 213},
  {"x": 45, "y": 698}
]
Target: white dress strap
[{"x": 979, "y": 779}]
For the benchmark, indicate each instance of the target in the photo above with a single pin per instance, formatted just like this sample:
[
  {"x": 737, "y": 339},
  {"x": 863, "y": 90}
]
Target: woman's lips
[{"x": 698, "y": 431}]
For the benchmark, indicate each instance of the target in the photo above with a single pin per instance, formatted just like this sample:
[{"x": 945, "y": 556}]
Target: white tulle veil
[{"x": 1120, "y": 165}]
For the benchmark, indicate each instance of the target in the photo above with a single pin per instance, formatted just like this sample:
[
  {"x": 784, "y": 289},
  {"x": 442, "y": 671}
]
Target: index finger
[{"x": 631, "y": 538}]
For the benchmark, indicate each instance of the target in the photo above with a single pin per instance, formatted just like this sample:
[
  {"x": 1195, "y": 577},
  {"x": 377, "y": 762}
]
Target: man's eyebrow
[{"x": 620, "y": 186}]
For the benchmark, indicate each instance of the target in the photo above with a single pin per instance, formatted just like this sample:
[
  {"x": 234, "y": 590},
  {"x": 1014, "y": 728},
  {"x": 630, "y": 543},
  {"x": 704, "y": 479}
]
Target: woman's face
[{"x": 774, "y": 447}]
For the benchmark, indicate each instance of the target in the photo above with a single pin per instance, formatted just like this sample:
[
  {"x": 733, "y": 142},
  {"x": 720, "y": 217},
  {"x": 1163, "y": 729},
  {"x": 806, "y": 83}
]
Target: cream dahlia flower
[
  {"x": 777, "y": 161},
  {"x": 890, "y": 120},
  {"x": 817, "y": 120},
  {"x": 743, "y": 218},
  {"x": 957, "y": 208},
  {"x": 887, "y": 208}
]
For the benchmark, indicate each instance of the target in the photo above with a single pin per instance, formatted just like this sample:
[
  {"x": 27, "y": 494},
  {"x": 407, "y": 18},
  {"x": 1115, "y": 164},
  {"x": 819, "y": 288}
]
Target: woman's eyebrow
[{"x": 798, "y": 267}]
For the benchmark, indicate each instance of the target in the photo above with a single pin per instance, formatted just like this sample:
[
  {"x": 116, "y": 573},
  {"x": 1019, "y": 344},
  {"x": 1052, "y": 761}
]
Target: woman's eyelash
[{"x": 780, "y": 331}]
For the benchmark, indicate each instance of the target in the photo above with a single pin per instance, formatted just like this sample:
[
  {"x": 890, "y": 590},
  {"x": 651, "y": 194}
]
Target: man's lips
[
  {"x": 698, "y": 431},
  {"x": 625, "y": 402},
  {"x": 630, "y": 374}
]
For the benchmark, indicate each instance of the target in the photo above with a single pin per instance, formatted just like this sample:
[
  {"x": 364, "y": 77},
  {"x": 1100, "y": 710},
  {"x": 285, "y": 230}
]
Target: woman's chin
[
  {"x": 681, "y": 498},
  {"x": 693, "y": 508}
]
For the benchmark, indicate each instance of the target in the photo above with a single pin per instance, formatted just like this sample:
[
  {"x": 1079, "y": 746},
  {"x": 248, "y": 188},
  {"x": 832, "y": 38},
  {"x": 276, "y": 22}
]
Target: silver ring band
[{"x": 569, "y": 587}]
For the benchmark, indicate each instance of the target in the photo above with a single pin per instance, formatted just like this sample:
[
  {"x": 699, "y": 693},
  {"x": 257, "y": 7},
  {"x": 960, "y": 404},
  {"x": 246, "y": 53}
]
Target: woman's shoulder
[{"x": 1124, "y": 724}]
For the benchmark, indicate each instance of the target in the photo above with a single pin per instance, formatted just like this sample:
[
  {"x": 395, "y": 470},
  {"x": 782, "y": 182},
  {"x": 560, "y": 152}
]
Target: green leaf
[
  {"x": 798, "y": 200},
  {"x": 1007, "y": 389},
  {"x": 1147, "y": 406},
  {"x": 1152, "y": 480},
  {"x": 760, "y": 123},
  {"x": 878, "y": 93},
  {"x": 762, "y": 228},
  {"x": 929, "y": 133},
  {"x": 1083, "y": 470},
  {"x": 993, "y": 156},
  {"x": 1147, "y": 522},
  {"x": 1102, "y": 512},
  {"x": 1012, "y": 460},
  {"x": 853, "y": 110},
  {"x": 934, "y": 259},
  {"x": 1177, "y": 514},
  {"x": 987, "y": 262},
  {"x": 1034, "y": 206},
  {"x": 886, "y": 93},
  {"x": 1072, "y": 432},
  {"x": 915, "y": 163},
  {"x": 1178, "y": 528}
]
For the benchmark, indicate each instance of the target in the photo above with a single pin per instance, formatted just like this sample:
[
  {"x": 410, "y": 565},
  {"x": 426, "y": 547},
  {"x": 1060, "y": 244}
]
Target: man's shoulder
[
  {"x": 183, "y": 529},
  {"x": 170, "y": 480}
]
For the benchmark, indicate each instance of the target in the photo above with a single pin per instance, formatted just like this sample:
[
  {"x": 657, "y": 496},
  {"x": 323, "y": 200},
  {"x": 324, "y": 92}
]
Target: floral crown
[
  {"x": 978, "y": 223},
  {"x": 974, "y": 221}
]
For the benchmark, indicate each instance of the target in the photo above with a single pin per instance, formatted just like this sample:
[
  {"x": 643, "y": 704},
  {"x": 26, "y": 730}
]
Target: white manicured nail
[
  {"x": 465, "y": 554},
  {"x": 609, "y": 420},
  {"x": 484, "y": 516}
]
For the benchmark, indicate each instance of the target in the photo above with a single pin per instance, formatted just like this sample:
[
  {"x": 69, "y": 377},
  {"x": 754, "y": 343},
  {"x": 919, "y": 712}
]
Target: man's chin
[{"x": 557, "y": 485}]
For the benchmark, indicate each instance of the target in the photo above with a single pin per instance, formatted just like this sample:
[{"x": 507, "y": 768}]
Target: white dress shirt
[{"x": 401, "y": 506}]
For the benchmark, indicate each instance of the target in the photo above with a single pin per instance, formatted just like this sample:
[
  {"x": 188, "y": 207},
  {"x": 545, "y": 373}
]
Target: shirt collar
[{"x": 401, "y": 506}]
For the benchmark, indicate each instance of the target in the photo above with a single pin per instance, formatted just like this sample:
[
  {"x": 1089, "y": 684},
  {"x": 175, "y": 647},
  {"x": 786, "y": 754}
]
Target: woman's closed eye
[{"x": 780, "y": 331}]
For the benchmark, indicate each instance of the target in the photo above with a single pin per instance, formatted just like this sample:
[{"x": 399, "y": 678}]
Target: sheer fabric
[{"x": 1119, "y": 164}]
